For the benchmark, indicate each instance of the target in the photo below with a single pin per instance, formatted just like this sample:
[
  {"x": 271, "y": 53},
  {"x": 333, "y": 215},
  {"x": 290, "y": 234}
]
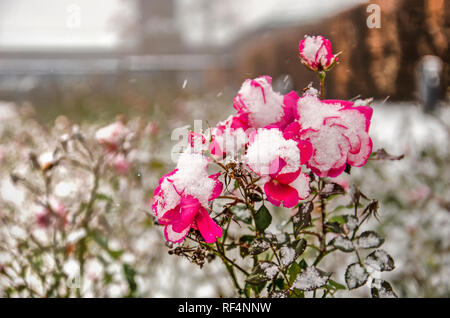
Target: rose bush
[{"x": 283, "y": 150}]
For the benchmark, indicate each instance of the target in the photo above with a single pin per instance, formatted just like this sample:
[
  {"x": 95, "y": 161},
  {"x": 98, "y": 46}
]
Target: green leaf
[
  {"x": 258, "y": 246},
  {"x": 241, "y": 213},
  {"x": 333, "y": 227},
  {"x": 279, "y": 294},
  {"x": 300, "y": 247},
  {"x": 343, "y": 244},
  {"x": 351, "y": 222},
  {"x": 287, "y": 255},
  {"x": 369, "y": 239},
  {"x": 255, "y": 197},
  {"x": 130, "y": 275},
  {"x": 382, "y": 289},
  {"x": 258, "y": 288},
  {"x": 244, "y": 244},
  {"x": 103, "y": 197},
  {"x": 311, "y": 278},
  {"x": 263, "y": 272},
  {"x": 331, "y": 188},
  {"x": 103, "y": 243},
  {"x": 279, "y": 282},
  {"x": 380, "y": 260},
  {"x": 348, "y": 168},
  {"x": 355, "y": 276},
  {"x": 290, "y": 252},
  {"x": 156, "y": 164},
  {"x": 262, "y": 218},
  {"x": 338, "y": 219},
  {"x": 335, "y": 285},
  {"x": 297, "y": 293},
  {"x": 302, "y": 218},
  {"x": 303, "y": 264},
  {"x": 293, "y": 271}
]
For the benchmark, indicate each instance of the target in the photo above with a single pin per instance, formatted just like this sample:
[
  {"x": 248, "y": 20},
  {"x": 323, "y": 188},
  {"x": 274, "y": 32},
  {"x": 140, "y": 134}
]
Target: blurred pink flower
[
  {"x": 419, "y": 193},
  {"x": 316, "y": 53},
  {"x": 119, "y": 162},
  {"x": 55, "y": 214},
  {"x": 152, "y": 129},
  {"x": 112, "y": 135}
]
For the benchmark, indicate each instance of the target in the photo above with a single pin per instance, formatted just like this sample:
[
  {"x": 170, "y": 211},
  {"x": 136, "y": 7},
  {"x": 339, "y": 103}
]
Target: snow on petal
[
  {"x": 229, "y": 138},
  {"x": 257, "y": 99},
  {"x": 316, "y": 52},
  {"x": 270, "y": 145},
  {"x": 337, "y": 132},
  {"x": 181, "y": 198},
  {"x": 301, "y": 184}
]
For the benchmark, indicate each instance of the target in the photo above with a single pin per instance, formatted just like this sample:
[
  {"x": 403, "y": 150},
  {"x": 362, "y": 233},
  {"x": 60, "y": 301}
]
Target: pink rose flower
[
  {"x": 196, "y": 142},
  {"x": 53, "y": 215},
  {"x": 288, "y": 188},
  {"x": 119, "y": 162},
  {"x": 228, "y": 137},
  {"x": 337, "y": 130},
  {"x": 182, "y": 198},
  {"x": 152, "y": 129},
  {"x": 316, "y": 53},
  {"x": 112, "y": 136},
  {"x": 259, "y": 106},
  {"x": 278, "y": 161}
]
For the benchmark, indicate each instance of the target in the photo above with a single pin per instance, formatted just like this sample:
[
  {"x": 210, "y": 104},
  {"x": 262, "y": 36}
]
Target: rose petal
[
  {"x": 218, "y": 187},
  {"x": 173, "y": 236},
  {"x": 286, "y": 178},
  {"x": 276, "y": 166},
  {"x": 281, "y": 192},
  {"x": 207, "y": 227}
]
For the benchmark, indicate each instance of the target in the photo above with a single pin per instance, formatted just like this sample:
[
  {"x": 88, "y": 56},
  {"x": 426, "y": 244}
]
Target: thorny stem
[
  {"x": 222, "y": 256},
  {"x": 231, "y": 198},
  {"x": 279, "y": 263},
  {"x": 323, "y": 214},
  {"x": 322, "y": 75},
  {"x": 229, "y": 267},
  {"x": 86, "y": 219}
]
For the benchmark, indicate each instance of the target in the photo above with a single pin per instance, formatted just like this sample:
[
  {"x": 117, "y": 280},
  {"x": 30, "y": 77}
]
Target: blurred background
[{"x": 170, "y": 62}]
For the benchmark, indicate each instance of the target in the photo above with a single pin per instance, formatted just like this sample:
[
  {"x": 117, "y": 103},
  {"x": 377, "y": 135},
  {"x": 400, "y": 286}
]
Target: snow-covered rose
[
  {"x": 278, "y": 161},
  {"x": 337, "y": 131},
  {"x": 258, "y": 105},
  {"x": 316, "y": 53},
  {"x": 181, "y": 199},
  {"x": 228, "y": 137}
]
